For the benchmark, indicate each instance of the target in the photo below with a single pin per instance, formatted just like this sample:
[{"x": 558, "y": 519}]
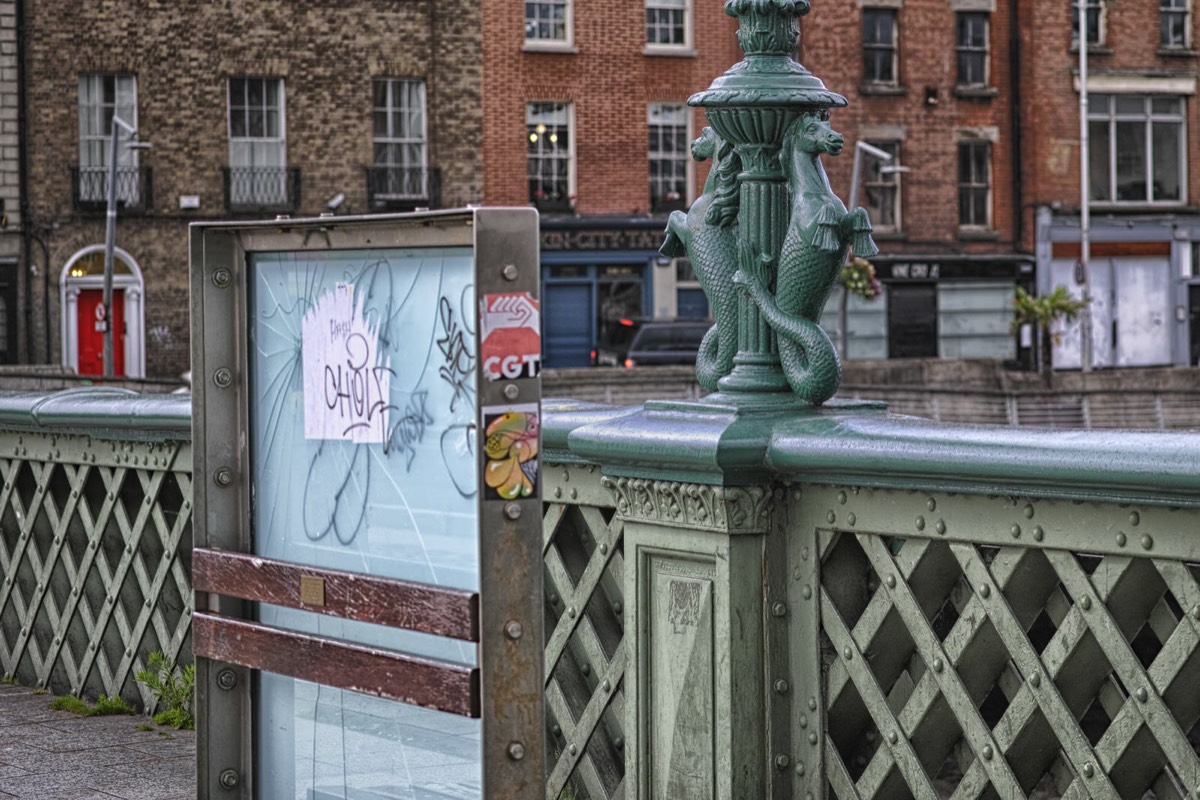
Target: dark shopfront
[
  {"x": 596, "y": 273},
  {"x": 941, "y": 306}
]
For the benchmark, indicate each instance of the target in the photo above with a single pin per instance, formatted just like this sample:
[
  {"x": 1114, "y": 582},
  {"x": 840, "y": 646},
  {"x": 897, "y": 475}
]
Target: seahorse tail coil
[
  {"x": 809, "y": 359},
  {"x": 709, "y": 366}
]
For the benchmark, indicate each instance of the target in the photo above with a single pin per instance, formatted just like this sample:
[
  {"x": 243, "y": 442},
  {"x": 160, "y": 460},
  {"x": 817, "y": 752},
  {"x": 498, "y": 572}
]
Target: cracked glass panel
[{"x": 362, "y": 374}]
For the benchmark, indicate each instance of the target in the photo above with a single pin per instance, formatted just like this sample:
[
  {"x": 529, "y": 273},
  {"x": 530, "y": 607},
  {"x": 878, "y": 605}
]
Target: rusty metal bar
[
  {"x": 400, "y": 604},
  {"x": 417, "y": 681}
]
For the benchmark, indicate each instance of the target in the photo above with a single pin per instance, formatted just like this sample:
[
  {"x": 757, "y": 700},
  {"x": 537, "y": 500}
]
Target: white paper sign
[{"x": 346, "y": 382}]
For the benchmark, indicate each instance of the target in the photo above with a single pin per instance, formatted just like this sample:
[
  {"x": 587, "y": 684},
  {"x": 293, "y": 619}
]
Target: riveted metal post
[
  {"x": 223, "y": 745},
  {"x": 801, "y": 523}
]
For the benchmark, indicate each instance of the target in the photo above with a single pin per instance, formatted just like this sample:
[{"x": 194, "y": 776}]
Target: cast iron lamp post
[
  {"x": 768, "y": 237},
  {"x": 110, "y": 234}
]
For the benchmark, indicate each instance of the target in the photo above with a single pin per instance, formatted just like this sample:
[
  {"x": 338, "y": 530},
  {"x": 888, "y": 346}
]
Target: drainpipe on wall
[
  {"x": 26, "y": 277},
  {"x": 1014, "y": 58}
]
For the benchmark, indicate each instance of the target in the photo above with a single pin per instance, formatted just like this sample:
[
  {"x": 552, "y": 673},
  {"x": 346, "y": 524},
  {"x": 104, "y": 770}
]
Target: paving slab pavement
[{"x": 57, "y": 755}]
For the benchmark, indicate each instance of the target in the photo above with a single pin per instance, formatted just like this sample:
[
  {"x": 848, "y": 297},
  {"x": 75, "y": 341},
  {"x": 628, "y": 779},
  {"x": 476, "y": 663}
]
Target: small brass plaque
[{"x": 312, "y": 590}]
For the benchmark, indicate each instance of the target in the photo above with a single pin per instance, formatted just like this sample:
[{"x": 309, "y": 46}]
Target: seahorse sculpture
[
  {"x": 814, "y": 249},
  {"x": 707, "y": 234}
]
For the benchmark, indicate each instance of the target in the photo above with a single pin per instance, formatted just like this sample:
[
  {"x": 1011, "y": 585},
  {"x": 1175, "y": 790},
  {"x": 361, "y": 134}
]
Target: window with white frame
[
  {"x": 879, "y": 46},
  {"x": 548, "y": 21},
  {"x": 1136, "y": 148},
  {"x": 100, "y": 97},
  {"x": 667, "y": 23},
  {"x": 257, "y": 144},
  {"x": 400, "y": 170},
  {"x": 550, "y": 155},
  {"x": 972, "y": 47},
  {"x": 1095, "y": 22},
  {"x": 881, "y": 188},
  {"x": 669, "y": 156},
  {"x": 975, "y": 184},
  {"x": 1173, "y": 23}
]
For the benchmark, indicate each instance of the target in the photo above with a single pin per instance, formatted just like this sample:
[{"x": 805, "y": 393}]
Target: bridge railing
[
  {"x": 95, "y": 538},
  {"x": 890, "y": 607},
  {"x": 899, "y": 608}
]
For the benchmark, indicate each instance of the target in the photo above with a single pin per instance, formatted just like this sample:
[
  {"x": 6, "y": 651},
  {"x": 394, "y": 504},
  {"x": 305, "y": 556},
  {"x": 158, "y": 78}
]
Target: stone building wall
[{"x": 182, "y": 55}]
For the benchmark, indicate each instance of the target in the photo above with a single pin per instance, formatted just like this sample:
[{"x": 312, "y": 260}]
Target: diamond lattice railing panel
[
  {"x": 94, "y": 562},
  {"x": 963, "y": 670},
  {"x": 585, "y": 661}
]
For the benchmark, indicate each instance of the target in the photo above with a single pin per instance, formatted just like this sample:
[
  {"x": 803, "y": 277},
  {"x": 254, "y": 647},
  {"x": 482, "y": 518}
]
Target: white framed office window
[
  {"x": 1095, "y": 22},
  {"x": 881, "y": 188},
  {"x": 668, "y": 24},
  {"x": 550, "y": 155},
  {"x": 257, "y": 142},
  {"x": 972, "y": 47},
  {"x": 100, "y": 97},
  {"x": 879, "y": 34},
  {"x": 548, "y": 22},
  {"x": 1174, "y": 28},
  {"x": 975, "y": 184},
  {"x": 669, "y": 156},
  {"x": 1137, "y": 149},
  {"x": 400, "y": 141}
]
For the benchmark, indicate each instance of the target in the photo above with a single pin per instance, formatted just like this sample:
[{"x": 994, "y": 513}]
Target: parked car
[{"x": 636, "y": 342}]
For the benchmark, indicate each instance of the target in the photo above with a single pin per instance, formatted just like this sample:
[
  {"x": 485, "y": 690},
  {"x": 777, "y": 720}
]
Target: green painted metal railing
[
  {"x": 95, "y": 538},
  {"x": 933, "y": 611},
  {"x": 894, "y": 608}
]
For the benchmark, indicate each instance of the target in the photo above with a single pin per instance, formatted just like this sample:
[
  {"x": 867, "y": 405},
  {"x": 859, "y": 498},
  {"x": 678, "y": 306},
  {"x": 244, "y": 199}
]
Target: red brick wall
[
  {"x": 1049, "y": 102},
  {"x": 610, "y": 82},
  {"x": 831, "y": 46}
]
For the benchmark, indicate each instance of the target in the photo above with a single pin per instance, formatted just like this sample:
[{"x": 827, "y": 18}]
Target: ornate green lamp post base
[{"x": 768, "y": 236}]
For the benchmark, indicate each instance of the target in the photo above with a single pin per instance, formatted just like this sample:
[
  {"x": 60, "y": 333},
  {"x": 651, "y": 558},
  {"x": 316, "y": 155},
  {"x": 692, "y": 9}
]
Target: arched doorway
[{"x": 81, "y": 289}]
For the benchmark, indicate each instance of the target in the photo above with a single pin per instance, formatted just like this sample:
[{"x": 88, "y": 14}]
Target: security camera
[{"x": 336, "y": 201}]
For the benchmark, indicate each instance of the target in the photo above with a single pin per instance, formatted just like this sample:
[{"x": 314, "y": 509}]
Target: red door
[{"x": 91, "y": 332}]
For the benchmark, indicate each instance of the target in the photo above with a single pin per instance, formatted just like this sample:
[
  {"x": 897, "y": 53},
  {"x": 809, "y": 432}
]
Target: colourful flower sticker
[{"x": 511, "y": 448}]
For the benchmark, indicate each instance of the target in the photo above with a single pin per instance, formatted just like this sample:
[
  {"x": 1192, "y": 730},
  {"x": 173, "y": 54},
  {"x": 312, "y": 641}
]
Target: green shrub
[{"x": 175, "y": 693}]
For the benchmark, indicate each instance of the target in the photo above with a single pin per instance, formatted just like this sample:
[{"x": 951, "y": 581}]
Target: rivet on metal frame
[
  {"x": 1121, "y": 539},
  {"x": 800, "y": 769},
  {"x": 1086, "y": 602},
  {"x": 782, "y": 762},
  {"x": 221, "y": 279},
  {"x": 223, "y": 476},
  {"x": 1142, "y": 694},
  {"x": 513, "y": 629},
  {"x": 510, "y": 272},
  {"x": 779, "y": 610},
  {"x": 230, "y": 779},
  {"x": 512, "y": 510},
  {"x": 516, "y": 751},
  {"x": 781, "y": 686},
  {"x": 223, "y": 378},
  {"x": 1147, "y": 541},
  {"x": 512, "y": 391},
  {"x": 227, "y": 679}
]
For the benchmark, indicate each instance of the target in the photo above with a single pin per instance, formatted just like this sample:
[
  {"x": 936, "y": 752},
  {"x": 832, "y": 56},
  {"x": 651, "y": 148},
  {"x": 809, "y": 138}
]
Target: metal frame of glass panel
[{"x": 505, "y": 617}]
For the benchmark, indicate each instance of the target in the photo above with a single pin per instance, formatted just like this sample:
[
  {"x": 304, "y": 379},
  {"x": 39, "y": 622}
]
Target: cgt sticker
[
  {"x": 510, "y": 451},
  {"x": 510, "y": 336}
]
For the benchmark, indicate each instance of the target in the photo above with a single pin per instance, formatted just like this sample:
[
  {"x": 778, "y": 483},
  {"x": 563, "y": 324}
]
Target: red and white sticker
[{"x": 510, "y": 336}]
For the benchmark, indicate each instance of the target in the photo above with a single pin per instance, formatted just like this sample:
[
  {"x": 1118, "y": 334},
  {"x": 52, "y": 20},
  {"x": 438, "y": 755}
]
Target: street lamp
[
  {"x": 110, "y": 234},
  {"x": 860, "y": 148}
]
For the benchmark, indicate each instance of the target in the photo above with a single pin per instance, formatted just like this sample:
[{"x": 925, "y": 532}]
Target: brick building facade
[
  {"x": 1144, "y": 173},
  {"x": 585, "y": 117},
  {"x": 252, "y": 110}
]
